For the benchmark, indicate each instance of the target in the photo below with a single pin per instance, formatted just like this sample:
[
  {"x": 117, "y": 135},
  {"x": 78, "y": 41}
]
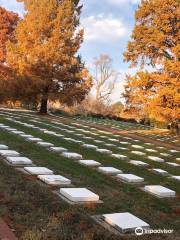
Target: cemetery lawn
[{"x": 34, "y": 212}]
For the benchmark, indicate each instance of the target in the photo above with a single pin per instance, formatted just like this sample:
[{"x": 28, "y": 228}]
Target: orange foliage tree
[
  {"x": 155, "y": 41},
  {"x": 8, "y": 22},
  {"x": 44, "y": 56}
]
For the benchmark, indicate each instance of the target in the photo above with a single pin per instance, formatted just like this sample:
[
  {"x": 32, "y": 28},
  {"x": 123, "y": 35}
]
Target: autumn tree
[
  {"x": 155, "y": 41},
  {"x": 45, "y": 52},
  {"x": 104, "y": 79},
  {"x": 8, "y": 23}
]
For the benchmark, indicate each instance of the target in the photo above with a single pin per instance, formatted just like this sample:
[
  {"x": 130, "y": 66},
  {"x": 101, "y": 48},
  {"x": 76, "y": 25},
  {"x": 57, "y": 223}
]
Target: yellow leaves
[
  {"x": 155, "y": 40},
  {"x": 45, "y": 51},
  {"x": 156, "y": 32}
]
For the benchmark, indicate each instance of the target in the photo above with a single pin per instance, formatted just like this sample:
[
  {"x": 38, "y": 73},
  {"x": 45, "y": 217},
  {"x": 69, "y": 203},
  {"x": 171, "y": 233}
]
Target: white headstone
[
  {"x": 161, "y": 147},
  {"x": 3, "y": 147},
  {"x": 137, "y": 146},
  {"x": 160, "y": 191},
  {"x": 34, "y": 139},
  {"x": 176, "y": 177},
  {"x": 105, "y": 151},
  {"x": 90, "y": 146},
  {"x": 9, "y": 153},
  {"x": 174, "y": 151},
  {"x": 45, "y": 144},
  {"x": 4, "y": 126},
  {"x": 69, "y": 139},
  {"x": 90, "y": 163},
  {"x": 125, "y": 143},
  {"x": 79, "y": 194},
  {"x": 58, "y": 149},
  {"x": 155, "y": 159},
  {"x": 125, "y": 222},
  {"x": 173, "y": 164},
  {"x": 120, "y": 156},
  {"x": 17, "y": 132},
  {"x": 139, "y": 163},
  {"x": 26, "y": 136},
  {"x": 122, "y": 148},
  {"x": 38, "y": 170},
  {"x": 150, "y": 150},
  {"x": 54, "y": 179},
  {"x": 131, "y": 178},
  {"x": 149, "y": 144},
  {"x": 114, "y": 140},
  {"x": 160, "y": 171},
  {"x": 109, "y": 170},
  {"x": 49, "y": 132},
  {"x": 109, "y": 145},
  {"x": 19, "y": 160},
  {"x": 72, "y": 155},
  {"x": 165, "y": 154},
  {"x": 11, "y": 129},
  {"x": 138, "y": 153},
  {"x": 98, "y": 141}
]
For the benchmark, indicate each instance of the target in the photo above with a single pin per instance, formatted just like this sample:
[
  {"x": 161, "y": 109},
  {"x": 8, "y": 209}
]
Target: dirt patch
[{"x": 5, "y": 232}]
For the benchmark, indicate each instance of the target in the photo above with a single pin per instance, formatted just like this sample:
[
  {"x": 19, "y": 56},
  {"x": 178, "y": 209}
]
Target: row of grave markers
[
  {"x": 125, "y": 222},
  {"x": 66, "y": 193},
  {"x": 120, "y": 156}
]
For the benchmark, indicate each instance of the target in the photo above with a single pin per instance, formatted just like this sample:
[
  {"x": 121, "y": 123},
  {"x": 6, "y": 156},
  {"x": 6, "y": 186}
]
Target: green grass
[{"x": 117, "y": 196}]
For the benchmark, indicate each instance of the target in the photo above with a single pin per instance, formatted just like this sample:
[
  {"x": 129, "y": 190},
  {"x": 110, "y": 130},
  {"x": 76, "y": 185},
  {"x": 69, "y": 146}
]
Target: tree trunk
[{"x": 43, "y": 108}]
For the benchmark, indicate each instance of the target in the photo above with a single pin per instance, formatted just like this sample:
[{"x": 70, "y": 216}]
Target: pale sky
[{"x": 108, "y": 25}]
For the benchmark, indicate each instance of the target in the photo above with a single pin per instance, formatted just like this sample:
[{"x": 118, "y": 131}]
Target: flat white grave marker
[
  {"x": 19, "y": 160},
  {"x": 165, "y": 154},
  {"x": 159, "y": 191},
  {"x": 174, "y": 151},
  {"x": 54, "y": 179},
  {"x": 45, "y": 144},
  {"x": 155, "y": 159},
  {"x": 38, "y": 170},
  {"x": 110, "y": 145},
  {"x": 9, "y": 153},
  {"x": 79, "y": 195},
  {"x": 119, "y": 156},
  {"x": 125, "y": 222},
  {"x": 49, "y": 132},
  {"x": 26, "y": 136},
  {"x": 173, "y": 164},
  {"x": 11, "y": 129},
  {"x": 137, "y": 146},
  {"x": 105, "y": 151},
  {"x": 131, "y": 178},
  {"x": 58, "y": 149},
  {"x": 138, "y": 153},
  {"x": 150, "y": 150},
  {"x": 72, "y": 155},
  {"x": 90, "y": 163},
  {"x": 109, "y": 170},
  {"x": 139, "y": 163},
  {"x": 122, "y": 148},
  {"x": 160, "y": 171},
  {"x": 90, "y": 146},
  {"x": 98, "y": 141},
  {"x": 33, "y": 139},
  {"x": 17, "y": 132},
  {"x": 125, "y": 143},
  {"x": 3, "y": 147},
  {"x": 176, "y": 178}
]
